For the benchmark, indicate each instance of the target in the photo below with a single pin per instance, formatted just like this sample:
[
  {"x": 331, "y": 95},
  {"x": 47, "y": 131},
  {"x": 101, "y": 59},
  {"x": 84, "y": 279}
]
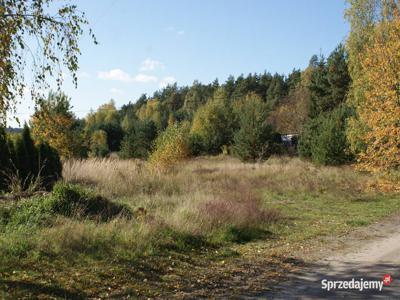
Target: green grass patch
[
  {"x": 326, "y": 214},
  {"x": 240, "y": 235}
]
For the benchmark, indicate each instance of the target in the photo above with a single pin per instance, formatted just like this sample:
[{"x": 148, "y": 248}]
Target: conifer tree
[
  {"x": 50, "y": 167},
  {"x": 255, "y": 139},
  {"x": 5, "y": 159}
]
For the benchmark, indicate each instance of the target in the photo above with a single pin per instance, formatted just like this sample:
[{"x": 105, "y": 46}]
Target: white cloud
[
  {"x": 120, "y": 75},
  {"x": 145, "y": 78},
  {"x": 151, "y": 64},
  {"x": 115, "y": 74},
  {"x": 116, "y": 91},
  {"x": 167, "y": 81}
]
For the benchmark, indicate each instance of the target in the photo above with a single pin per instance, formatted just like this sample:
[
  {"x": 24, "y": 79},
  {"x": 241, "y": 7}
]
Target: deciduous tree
[
  {"x": 54, "y": 123},
  {"x": 41, "y": 39},
  {"x": 380, "y": 108}
]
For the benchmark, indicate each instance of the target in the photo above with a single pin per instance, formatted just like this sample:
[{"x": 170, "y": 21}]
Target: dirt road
[{"x": 368, "y": 254}]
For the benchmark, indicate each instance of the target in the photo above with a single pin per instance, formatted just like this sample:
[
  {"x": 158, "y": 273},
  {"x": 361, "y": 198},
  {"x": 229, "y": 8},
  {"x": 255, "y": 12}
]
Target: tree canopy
[{"x": 44, "y": 42}]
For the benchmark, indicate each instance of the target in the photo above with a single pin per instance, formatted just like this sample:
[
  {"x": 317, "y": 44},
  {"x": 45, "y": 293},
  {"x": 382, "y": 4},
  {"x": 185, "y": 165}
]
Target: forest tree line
[
  {"x": 243, "y": 116},
  {"x": 345, "y": 108}
]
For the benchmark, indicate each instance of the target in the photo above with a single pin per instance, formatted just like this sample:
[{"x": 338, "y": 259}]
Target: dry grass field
[{"x": 188, "y": 232}]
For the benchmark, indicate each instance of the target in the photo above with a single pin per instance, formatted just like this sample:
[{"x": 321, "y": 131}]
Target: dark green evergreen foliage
[
  {"x": 138, "y": 139},
  {"x": 324, "y": 138},
  {"x": 115, "y": 135},
  {"x": 255, "y": 139},
  {"x": 173, "y": 97},
  {"x": 196, "y": 144},
  {"x": 293, "y": 80},
  {"x": 276, "y": 90},
  {"x": 330, "y": 81},
  {"x": 319, "y": 89},
  {"x": 132, "y": 107},
  {"x": 243, "y": 86},
  {"x": 26, "y": 157},
  {"x": 338, "y": 75},
  {"x": 5, "y": 158},
  {"x": 331, "y": 146},
  {"x": 50, "y": 166},
  {"x": 309, "y": 136},
  {"x": 25, "y": 160},
  {"x": 197, "y": 95}
]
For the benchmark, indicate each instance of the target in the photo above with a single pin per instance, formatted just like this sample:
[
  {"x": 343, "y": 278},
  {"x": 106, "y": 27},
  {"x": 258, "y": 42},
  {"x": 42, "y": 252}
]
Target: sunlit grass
[{"x": 200, "y": 211}]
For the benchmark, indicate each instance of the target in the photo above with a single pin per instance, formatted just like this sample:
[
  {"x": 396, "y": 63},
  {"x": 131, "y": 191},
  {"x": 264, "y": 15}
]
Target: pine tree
[
  {"x": 255, "y": 139},
  {"x": 330, "y": 146},
  {"x": 319, "y": 89},
  {"x": 138, "y": 139}
]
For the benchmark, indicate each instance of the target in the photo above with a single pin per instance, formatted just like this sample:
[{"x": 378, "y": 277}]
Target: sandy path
[{"x": 367, "y": 253}]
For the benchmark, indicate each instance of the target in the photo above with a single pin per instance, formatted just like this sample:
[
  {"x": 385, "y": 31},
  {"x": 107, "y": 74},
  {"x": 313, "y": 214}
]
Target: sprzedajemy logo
[{"x": 356, "y": 284}]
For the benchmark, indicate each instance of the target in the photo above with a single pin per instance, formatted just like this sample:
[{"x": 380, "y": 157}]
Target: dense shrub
[
  {"x": 138, "y": 139},
  {"x": 171, "y": 147}
]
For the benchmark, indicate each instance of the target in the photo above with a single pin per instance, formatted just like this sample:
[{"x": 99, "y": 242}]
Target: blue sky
[{"x": 144, "y": 45}]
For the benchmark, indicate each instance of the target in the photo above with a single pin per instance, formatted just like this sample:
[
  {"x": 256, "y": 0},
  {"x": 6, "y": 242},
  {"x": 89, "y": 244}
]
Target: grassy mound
[
  {"x": 74, "y": 201},
  {"x": 66, "y": 199}
]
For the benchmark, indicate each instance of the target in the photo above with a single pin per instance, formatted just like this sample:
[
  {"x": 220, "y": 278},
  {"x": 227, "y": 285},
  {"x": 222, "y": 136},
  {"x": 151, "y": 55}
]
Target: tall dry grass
[
  {"x": 204, "y": 197},
  {"x": 118, "y": 178},
  {"x": 208, "y": 192}
]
